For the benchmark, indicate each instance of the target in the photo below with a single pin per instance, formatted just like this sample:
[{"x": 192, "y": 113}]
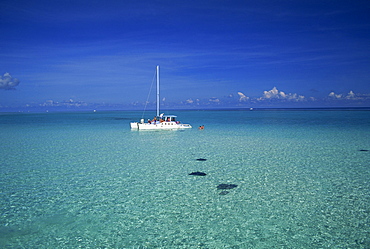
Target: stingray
[
  {"x": 226, "y": 186},
  {"x": 201, "y": 159},
  {"x": 224, "y": 192},
  {"x": 197, "y": 173}
]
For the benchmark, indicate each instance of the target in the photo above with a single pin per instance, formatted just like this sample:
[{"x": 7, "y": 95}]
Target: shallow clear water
[{"x": 71, "y": 180}]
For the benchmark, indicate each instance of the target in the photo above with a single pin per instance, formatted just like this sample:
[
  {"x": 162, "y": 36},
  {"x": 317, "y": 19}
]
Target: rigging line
[{"x": 147, "y": 99}]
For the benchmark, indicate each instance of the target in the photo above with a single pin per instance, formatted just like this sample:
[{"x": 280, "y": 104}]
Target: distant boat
[{"x": 160, "y": 121}]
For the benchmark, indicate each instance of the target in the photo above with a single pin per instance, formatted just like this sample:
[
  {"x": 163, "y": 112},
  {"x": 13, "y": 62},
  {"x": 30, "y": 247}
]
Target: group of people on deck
[
  {"x": 168, "y": 119},
  {"x": 154, "y": 121}
]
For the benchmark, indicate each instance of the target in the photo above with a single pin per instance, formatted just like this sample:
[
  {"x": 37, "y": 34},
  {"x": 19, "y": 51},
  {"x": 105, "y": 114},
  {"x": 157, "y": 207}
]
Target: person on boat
[
  {"x": 201, "y": 127},
  {"x": 154, "y": 120},
  {"x": 149, "y": 121}
]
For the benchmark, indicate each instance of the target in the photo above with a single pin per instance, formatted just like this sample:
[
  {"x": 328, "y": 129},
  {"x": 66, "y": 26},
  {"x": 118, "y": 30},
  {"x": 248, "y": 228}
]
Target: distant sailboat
[{"x": 160, "y": 121}]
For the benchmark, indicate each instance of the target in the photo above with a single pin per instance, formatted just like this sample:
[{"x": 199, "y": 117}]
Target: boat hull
[
  {"x": 134, "y": 125},
  {"x": 159, "y": 126}
]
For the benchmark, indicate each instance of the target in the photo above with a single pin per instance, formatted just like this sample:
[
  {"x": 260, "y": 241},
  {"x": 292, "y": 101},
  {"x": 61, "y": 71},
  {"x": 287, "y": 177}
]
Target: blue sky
[{"x": 211, "y": 53}]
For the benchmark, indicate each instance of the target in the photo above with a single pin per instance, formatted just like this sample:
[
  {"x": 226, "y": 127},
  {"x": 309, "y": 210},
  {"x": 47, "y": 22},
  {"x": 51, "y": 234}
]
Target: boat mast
[{"x": 157, "y": 91}]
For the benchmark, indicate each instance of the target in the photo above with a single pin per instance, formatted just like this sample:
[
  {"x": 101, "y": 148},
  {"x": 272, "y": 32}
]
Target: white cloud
[
  {"x": 7, "y": 82},
  {"x": 66, "y": 103},
  {"x": 274, "y": 93},
  {"x": 242, "y": 97},
  {"x": 214, "y": 99},
  {"x": 335, "y": 96},
  {"x": 351, "y": 95},
  {"x": 282, "y": 94}
]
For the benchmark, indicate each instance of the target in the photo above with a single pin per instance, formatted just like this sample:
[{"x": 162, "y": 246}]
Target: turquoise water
[{"x": 85, "y": 180}]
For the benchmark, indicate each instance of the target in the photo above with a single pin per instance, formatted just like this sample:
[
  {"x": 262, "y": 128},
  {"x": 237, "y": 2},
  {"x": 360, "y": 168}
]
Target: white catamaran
[{"x": 160, "y": 121}]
